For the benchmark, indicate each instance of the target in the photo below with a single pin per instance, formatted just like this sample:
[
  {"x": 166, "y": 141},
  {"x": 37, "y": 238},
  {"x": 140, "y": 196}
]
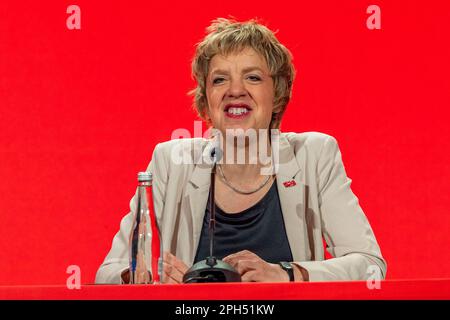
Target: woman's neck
[{"x": 246, "y": 162}]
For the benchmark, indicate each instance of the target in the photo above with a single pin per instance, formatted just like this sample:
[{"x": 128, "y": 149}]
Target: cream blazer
[{"x": 319, "y": 205}]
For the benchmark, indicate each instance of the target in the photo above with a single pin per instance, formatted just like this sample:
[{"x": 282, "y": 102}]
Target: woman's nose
[{"x": 236, "y": 89}]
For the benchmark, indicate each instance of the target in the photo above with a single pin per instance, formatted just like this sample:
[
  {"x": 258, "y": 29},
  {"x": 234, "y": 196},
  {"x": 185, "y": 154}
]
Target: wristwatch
[{"x": 286, "y": 266}]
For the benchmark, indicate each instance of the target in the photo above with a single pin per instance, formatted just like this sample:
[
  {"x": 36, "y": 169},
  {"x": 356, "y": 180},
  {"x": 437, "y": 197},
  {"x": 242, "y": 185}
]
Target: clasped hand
[{"x": 250, "y": 266}]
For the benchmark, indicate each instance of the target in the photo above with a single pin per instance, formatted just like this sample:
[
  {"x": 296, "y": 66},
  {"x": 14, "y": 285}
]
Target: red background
[{"x": 81, "y": 110}]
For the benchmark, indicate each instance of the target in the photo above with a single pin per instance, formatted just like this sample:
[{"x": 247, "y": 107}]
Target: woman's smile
[{"x": 237, "y": 111}]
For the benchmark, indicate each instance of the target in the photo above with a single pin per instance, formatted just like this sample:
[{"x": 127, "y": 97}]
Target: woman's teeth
[{"x": 237, "y": 111}]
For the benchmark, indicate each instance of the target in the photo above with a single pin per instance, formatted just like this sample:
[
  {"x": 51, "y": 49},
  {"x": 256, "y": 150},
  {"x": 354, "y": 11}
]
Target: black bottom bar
[{"x": 237, "y": 309}]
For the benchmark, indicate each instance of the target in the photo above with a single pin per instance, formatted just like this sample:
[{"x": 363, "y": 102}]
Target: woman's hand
[
  {"x": 254, "y": 269},
  {"x": 173, "y": 269}
]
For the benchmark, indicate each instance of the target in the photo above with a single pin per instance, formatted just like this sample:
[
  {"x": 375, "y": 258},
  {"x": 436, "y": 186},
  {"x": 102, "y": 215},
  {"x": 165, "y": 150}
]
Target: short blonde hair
[{"x": 225, "y": 36}]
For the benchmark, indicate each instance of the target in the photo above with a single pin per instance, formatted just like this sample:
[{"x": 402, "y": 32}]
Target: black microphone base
[{"x": 211, "y": 270}]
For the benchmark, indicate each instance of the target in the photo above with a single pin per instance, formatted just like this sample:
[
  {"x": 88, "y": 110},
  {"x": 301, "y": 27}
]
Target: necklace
[{"x": 238, "y": 190}]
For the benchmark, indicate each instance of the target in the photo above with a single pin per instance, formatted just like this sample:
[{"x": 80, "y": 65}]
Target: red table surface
[{"x": 436, "y": 289}]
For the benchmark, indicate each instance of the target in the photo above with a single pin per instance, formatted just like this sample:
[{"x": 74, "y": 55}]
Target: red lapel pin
[{"x": 288, "y": 184}]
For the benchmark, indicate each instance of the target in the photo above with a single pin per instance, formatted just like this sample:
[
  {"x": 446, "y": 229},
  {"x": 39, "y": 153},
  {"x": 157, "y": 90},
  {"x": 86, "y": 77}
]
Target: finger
[
  {"x": 233, "y": 261},
  {"x": 174, "y": 261},
  {"x": 173, "y": 272},
  {"x": 243, "y": 266},
  {"x": 167, "y": 267},
  {"x": 265, "y": 272},
  {"x": 167, "y": 256},
  {"x": 228, "y": 258},
  {"x": 239, "y": 253},
  {"x": 172, "y": 266},
  {"x": 251, "y": 276},
  {"x": 179, "y": 265},
  {"x": 233, "y": 258},
  {"x": 242, "y": 254},
  {"x": 233, "y": 255},
  {"x": 247, "y": 253},
  {"x": 169, "y": 276},
  {"x": 167, "y": 279}
]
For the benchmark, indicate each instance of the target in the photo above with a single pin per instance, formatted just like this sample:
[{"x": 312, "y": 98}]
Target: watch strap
[{"x": 286, "y": 266}]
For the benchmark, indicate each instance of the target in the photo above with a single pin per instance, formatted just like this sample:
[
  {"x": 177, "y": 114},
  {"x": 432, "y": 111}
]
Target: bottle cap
[{"x": 144, "y": 177}]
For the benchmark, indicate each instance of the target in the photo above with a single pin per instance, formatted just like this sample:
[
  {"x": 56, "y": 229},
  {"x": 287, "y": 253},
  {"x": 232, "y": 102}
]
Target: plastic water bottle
[{"x": 145, "y": 244}]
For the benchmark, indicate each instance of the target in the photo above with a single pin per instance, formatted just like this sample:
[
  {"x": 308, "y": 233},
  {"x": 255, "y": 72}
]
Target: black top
[{"x": 259, "y": 229}]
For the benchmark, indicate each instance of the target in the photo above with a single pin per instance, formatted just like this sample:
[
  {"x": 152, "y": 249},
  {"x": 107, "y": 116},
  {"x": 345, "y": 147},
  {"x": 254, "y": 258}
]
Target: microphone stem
[{"x": 212, "y": 211}]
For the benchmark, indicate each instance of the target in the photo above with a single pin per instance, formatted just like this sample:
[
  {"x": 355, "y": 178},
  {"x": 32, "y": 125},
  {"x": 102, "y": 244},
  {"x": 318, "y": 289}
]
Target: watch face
[{"x": 286, "y": 265}]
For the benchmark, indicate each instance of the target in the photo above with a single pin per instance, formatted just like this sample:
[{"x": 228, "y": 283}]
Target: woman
[{"x": 271, "y": 215}]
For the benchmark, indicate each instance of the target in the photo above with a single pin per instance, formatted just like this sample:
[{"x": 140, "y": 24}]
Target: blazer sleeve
[
  {"x": 347, "y": 232},
  {"x": 117, "y": 259}
]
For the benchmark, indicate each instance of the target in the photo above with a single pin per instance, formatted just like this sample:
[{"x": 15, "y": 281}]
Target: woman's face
[{"x": 239, "y": 91}]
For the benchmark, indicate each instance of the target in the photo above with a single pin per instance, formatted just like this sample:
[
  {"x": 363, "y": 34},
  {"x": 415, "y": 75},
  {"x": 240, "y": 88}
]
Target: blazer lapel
[
  {"x": 291, "y": 191},
  {"x": 197, "y": 192}
]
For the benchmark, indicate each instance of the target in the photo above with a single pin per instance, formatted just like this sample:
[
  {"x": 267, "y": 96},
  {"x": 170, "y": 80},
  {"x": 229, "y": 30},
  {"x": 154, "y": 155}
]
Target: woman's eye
[
  {"x": 218, "y": 80},
  {"x": 254, "y": 78}
]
